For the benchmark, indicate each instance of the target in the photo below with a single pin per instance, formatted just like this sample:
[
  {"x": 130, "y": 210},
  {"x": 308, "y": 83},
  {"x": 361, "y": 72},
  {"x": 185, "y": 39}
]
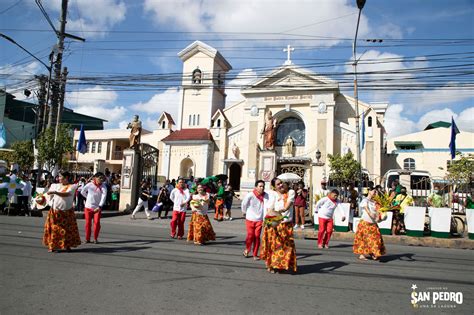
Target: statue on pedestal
[
  {"x": 269, "y": 131},
  {"x": 135, "y": 133},
  {"x": 235, "y": 151},
  {"x": 288, "y": 147}
]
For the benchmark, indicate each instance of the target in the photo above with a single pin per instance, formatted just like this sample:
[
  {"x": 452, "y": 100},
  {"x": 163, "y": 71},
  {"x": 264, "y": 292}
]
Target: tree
[
  {"x": 23, "y": 154},
  {"x": 461, "y": 170},
  {"x": 50, "y": 152},
  {"x": 343, "y": 169}
]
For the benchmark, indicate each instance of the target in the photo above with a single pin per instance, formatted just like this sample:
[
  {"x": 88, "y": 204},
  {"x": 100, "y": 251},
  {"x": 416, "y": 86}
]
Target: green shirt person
[{"x": 435, "y": 200}]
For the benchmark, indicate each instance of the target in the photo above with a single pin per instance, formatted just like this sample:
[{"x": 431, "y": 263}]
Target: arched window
[
  {"x": 409, "y": 164},
  {"x": 194, "y": 120},
  {"x": 293, "y": 127},
  {"x": 198, "y": 120},
  {"x": 163, "y": 124},
  {"x": 189, "y": 123},
  {"x": 197, "y": 76},
  {"x": 369, "y": 122},
  {"x": 218, "y": 123}
]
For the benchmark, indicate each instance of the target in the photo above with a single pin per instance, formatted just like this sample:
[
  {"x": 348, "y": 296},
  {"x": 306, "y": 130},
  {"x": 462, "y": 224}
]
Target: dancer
[
  {"x": 253, "y": 209},
  {"x": 95, "y": 193},
  {"x": 219, "y": 215},
  {"x": 60, "y": 227},
  {"x": 145, "y": 193},
  {"x": 278, "y": 244},
  {"x": 326, "y": 207},
  {"x": 368, "y": 241},
  {"x": 180, "y": 197},
  {"x": 200, "y": 229}
]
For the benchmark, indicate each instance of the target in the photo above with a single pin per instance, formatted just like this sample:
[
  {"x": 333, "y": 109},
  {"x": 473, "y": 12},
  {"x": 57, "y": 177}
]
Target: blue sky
[{"x": 129, "y": 65}]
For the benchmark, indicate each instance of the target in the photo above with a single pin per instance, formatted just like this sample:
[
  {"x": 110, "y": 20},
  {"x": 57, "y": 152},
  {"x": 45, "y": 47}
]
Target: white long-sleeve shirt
[
  {"x": 280, "y": 203},
  {"x": 62, "y": 203},
  {"x": 95, "y": 196},
  {"x": 326, "y": 208},
  {"x": 253, "y": 208},
  {"x": 179, "y": 198}
]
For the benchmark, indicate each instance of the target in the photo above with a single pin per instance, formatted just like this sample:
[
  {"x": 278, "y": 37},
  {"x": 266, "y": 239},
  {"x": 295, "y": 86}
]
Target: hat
[{"x": 41, "y": 202}]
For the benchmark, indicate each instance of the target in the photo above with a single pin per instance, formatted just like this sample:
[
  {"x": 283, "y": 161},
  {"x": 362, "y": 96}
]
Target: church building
[{"x": 309, "y": 115}]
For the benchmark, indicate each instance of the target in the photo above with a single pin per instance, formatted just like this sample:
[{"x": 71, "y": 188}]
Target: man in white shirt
[
  {"x": 326, "y": 207},
  {"x": 180, "y": 197},
  {"x": 24, "y": 199},
  {"x": 95, "y": 193},
  {"x": 253, "y": 207}
]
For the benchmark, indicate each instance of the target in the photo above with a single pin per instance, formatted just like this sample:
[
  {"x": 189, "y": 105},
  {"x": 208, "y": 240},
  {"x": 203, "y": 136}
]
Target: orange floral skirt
[
  {"x": 200, "y": 229},
  {"x": 368, "y": 240},
  {"x": 278, "y": 247},
  {"x": 60, "y": 230}
]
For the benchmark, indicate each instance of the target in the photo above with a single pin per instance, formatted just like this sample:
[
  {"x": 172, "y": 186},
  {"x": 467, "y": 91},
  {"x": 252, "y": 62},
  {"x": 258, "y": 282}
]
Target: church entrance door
[
  {"x": 235, "y": 172},
  {"x": 186, "y": 169}
]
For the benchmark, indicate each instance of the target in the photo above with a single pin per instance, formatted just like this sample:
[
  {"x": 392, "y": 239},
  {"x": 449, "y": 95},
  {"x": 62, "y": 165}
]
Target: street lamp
[{"x": 360, "y": 6}]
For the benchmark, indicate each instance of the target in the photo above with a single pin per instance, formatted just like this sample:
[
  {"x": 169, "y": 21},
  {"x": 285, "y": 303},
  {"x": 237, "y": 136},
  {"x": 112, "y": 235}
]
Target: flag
[
  {"x": 452, "y": 144},
  {"x": 362, "y": 134},
  {"x": 81, "y": 143}
]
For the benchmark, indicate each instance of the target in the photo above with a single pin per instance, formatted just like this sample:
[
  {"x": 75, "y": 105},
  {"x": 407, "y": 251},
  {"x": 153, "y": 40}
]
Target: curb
[{"x": 428, "y": 241}]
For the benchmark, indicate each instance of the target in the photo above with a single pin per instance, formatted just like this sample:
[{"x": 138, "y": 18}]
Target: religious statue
[
  {"x": 136, "y": 131},
  {"x": 288, "y": 147},
  {"x": 269, "y": 131},
  {"x": 235, "y": 151}
]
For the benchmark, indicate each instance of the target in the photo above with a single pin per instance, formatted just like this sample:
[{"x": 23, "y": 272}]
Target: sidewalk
[{"x": 237, "y": 226}]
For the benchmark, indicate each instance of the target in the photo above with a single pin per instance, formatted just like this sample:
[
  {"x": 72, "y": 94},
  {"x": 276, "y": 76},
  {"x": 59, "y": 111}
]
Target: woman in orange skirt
[
  {"x": 278, "y": 244},
  {"x": 200, "y": 229},
  {"x": 60, "y": 227},
  {"x": 368, "y": 241}
]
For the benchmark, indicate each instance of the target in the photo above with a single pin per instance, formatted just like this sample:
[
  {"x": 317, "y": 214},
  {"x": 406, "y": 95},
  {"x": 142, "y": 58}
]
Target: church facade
[{"x": 312, "y": 119}]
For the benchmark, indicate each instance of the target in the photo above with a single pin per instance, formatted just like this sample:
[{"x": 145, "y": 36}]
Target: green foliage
[
  {"x": 461, "y": 170},
  {"x": 51, "y": 153},
  {"x": 344, "y": 169},
  {"x": 23, "y": 154}
]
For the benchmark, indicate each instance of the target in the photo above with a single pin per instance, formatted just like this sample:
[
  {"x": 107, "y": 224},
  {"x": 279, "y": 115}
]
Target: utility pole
[
  {"x": 42, "y": 80},
  {"x": 62, "y": 93},
  {"x": 360, "y": 6},
  {"x": 57, "y": 68}
]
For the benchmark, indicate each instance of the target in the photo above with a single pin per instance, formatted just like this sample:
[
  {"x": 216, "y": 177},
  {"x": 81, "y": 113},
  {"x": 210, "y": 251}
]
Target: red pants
[
  {"x": 178, "y": 221},
  {"x": 325, "y": 231},
  {"x": 88, "y": 214},
  {"x": 253, "y": 236}
]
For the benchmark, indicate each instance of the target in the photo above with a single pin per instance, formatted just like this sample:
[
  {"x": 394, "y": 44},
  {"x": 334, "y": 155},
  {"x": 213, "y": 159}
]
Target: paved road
[{"x": 139, "y": 269}]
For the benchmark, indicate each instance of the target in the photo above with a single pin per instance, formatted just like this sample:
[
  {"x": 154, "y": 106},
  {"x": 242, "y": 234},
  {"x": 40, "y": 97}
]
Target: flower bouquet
[
  {"x": 383, "y": 204},
  {"x": 273, "y": 218}
]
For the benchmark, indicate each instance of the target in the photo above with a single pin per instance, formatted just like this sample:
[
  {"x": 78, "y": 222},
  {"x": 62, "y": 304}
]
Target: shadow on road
[
  {"x": 302, "y": 256},
  {"x": 403, "y": 257},
  {"x": 136, "y": 241},
  {"x": 321, "y": 267},
  {"x": 108, "y": 250}
]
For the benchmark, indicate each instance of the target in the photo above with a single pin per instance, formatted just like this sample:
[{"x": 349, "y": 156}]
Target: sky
[{"x": 415, "y": 55}]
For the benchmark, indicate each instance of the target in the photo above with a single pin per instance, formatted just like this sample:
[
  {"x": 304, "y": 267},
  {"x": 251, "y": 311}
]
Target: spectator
[
  {"x": 144, "y": 195},
  {"x": 24, "y": 199},
  {"x": 300, "y": 205},
  {"x": 228, "y": 199}
]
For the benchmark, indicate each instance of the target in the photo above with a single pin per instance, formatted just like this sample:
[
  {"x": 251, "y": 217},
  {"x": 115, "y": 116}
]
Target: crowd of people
[{"x": 271, "y": 215}]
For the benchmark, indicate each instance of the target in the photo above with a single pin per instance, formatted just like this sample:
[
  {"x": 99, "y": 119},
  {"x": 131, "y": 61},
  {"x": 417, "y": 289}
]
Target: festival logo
[{"x": 435, "y": 297}]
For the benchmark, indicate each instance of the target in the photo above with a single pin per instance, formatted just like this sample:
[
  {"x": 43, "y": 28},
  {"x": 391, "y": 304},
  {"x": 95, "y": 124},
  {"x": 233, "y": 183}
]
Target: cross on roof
[{"x": 288, "y": 50}]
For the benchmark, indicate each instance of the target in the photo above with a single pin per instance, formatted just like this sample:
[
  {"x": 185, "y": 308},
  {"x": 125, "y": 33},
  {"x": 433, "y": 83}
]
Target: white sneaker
[
  {"x": 230, "y": 219},
  {"x": 302, "y": 227},
  {"x": 296, "y": 226}
]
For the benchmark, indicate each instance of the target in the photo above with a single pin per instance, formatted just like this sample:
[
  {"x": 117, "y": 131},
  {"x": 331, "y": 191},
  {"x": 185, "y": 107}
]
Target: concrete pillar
[
  {"x": 99, "y": 166},
  {"x": 129, "y": 185}
]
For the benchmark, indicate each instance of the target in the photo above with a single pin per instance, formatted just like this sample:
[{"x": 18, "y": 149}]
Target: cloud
[
  {"x": 395, "y": 123},
  {"x": 465, "y": 120},
  {"x": 434, "y": 116},
  {"x": 167, "y": 101},
  {"x": 18, "y": 78},
  {"x": 264, "y": 16},
  {"x": 97, "y": 102},
  {"x": 92, "y": 15},
  {"x": 233, "y": 87}
]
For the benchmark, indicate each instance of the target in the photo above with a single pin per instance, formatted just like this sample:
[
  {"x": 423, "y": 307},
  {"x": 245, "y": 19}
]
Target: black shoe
[
  {"x": 96, "y": 242},
  {"x": 87, "y": 242}
]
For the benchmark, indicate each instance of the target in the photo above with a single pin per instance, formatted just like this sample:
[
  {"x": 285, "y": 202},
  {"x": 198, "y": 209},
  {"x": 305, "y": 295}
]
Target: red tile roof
[{"x": 189, "y": 134}]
